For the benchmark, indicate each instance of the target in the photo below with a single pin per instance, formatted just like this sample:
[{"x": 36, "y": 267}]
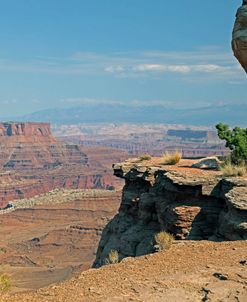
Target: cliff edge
[{"x": 190, "y": 203}]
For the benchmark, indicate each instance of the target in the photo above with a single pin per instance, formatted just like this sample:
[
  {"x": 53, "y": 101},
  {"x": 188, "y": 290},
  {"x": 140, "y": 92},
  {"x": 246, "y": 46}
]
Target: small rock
[
  {"x": 128, "y": 259},
  {"x": 243, "y": 262},
  {"x": 220, "y": 276}
]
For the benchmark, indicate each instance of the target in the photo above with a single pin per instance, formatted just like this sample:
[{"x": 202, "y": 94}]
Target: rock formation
[
  {"x": 187, "y": 202},
  {"x": 33, "y": 161},
  {"x": 239, "y": 36}
]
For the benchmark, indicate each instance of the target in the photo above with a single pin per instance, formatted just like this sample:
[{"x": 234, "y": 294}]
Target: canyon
[
  {"x": 60, "y": 226},
  {"x": 55, "y": 199},
  {"x": 33, "y": 161},
  {"x": 59, "y": 233},
  {"x": 154, "y": 139}
]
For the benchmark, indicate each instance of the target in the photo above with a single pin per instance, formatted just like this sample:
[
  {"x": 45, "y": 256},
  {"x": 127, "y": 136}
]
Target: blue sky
[{"x": 57, "y": 53}]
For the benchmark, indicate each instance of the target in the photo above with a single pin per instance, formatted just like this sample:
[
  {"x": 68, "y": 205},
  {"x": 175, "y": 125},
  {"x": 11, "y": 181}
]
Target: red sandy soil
[{"x": 189, "y": 271}]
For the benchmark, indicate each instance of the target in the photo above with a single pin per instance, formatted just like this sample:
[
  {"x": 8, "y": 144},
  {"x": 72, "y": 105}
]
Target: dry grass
[
  {"x": 5, "y": 283},
  {"x": 230, "y": 169},
  {"x": 164, "y": 240},
  {"x": 112, "y": 258},
  {"x": 2, "y": 250},
  {"x": 171, "y": 158},
  {"x": 144, "y": 157}
]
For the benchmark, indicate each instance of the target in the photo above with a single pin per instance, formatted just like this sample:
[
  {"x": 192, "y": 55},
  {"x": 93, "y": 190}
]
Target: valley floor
[
  {"x": 47, "y": 238},
  {"x": 189, "y": 271}
]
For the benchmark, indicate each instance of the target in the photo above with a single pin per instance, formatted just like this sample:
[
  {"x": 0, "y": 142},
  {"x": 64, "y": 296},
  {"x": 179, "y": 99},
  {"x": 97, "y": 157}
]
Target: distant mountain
[{"x": 105, "y": 113}]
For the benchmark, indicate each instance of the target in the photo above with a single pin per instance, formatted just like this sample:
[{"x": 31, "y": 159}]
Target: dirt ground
[{"x": 189, "y": 271}]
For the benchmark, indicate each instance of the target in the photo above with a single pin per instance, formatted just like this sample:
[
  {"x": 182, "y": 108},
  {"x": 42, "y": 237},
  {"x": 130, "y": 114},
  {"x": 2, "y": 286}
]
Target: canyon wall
[
  {"x": 33, "y": 161},
  {"x": 187, "y": 202}
]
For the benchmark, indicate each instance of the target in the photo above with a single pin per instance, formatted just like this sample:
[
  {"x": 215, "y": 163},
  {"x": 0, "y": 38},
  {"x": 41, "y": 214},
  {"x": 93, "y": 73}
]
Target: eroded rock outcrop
[
  {"x": 239, "y": 36},
  {"x": 189, "y": 203}
]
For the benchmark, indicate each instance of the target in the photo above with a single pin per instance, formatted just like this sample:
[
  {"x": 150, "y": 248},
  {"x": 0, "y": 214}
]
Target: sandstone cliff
[
  {"x": 239, "y": 36},
  {"x": 33, "y": 161},
  {"x": 189, "y": 203}
]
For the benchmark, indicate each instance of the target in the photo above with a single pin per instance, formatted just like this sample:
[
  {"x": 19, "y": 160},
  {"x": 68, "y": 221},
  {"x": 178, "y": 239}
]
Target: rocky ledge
[{"x": 190, "y": 203}]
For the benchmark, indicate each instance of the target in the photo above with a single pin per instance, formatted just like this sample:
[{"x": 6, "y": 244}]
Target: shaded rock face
[
  {"x": 189, "y": 203},
  {"x": 33, "y": 161},
  {"x": 239, "y": 36}
]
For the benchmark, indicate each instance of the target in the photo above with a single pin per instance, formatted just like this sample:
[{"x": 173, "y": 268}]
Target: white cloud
[
  {"x": 212, "y": 61},
  {"x": 180, "y": 68},
  {"x": 113, "y": 69},
  {"x": 8, "y": 102},
  {"x": 86, "y": 100}
]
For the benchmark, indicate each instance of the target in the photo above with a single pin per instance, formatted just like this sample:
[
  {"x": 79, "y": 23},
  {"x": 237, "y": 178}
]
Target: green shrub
[
  {"x": 171, "y": 158},
  {"x": 164, "y": 240},
  {"x": 144, "y": 157},
  {"x": 112, "y": 258},
  {"x": 236, "y": 141},
  {"x": 5, "y": 283}
]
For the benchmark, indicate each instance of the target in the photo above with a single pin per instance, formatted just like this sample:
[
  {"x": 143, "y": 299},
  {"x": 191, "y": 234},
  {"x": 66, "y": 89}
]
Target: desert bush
[
  {"x": 144, "y": 157},
  {"x": 229, "y": 169},
  {"x": 164, "y": 240},
  {"x": 236, "y": 141},
  {"x": 5, "y": 283},
  {"x": 3, "y": 250},
  {"x": 171, "y": 158},
  {"x": 112, "y": 258}
]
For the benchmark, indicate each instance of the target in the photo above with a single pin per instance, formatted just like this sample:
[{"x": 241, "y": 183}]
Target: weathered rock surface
[
  {"x": 189, "y": 203},
  {"x": 32, "y": 161},
  {"x": 239, "y": 36}
]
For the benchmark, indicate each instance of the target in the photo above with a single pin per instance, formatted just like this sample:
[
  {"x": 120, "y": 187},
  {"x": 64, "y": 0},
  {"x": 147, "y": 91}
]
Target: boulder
[{"x": 209, "y": 163}]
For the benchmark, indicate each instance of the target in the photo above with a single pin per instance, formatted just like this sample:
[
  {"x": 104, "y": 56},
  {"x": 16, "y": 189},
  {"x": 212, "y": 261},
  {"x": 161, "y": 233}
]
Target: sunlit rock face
[
  {"x": 33, "y": 161},
  {"x": 239, "y": 36}
]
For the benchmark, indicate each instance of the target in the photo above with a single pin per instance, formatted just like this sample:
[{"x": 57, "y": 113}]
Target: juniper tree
[{"x": 236, "y": 141}]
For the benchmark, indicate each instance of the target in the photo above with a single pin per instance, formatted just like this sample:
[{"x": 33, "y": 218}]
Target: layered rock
[
  {"x": 33, "y": 161},
  {"x": 239, "y": 36},
  {"x": 187, "y": 202}
]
